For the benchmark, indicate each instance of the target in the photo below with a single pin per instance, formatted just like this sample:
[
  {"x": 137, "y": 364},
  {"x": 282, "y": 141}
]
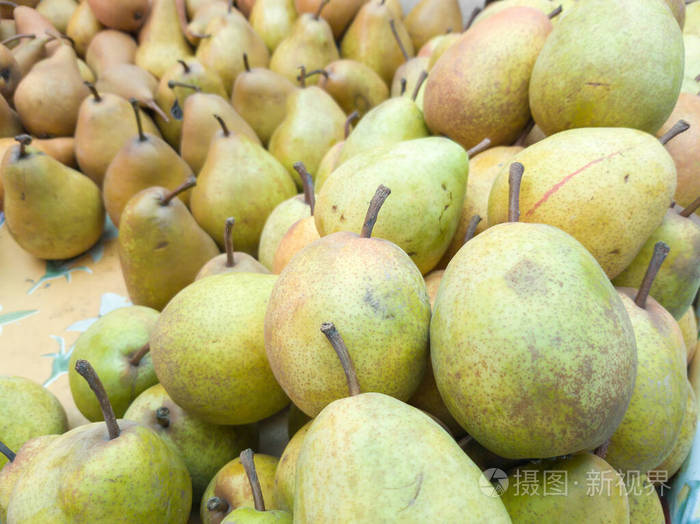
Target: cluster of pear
[{"x": 495, "y": 268}]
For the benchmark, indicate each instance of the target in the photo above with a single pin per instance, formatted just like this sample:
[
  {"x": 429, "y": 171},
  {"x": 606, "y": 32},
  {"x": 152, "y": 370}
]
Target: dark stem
[
  {"x": 348, "y": 122},
  {"x": 403, "y": 86},
  {"x": 373, "y": 211},
  {"x": 135, "y": 359},
  {"x": 679, "y": 127},
  {"x": 249, "y": 466},
  {"x": 661, "y": 250},
  {"x": 301, "y": 77},
  {"x": 398, "y": 40},
  {"x": 695, "y": 204},
  {"x": 246, "y": 64},
  {"x": 329, "y": 329},
  {"x": 228, "y": 241},
  {"x": 480, "y": 147},
  {"x": 24, "y": 141},
  {"x": 316, "y": 72},
  {"x": 555, "y": 13},
  {"x": 190, "y": 182},
  {"x": 7, "y": 452},
  {"x": 224, "y": 128},
  {"x": 472, "y": 17},
  {"x": 59, "y": 36},
  {"x": 602, "y": 450},
  {"x": 423, "y": 76},
  {"x": 163, "y": 416},
  {"x": 526, "y": 131},
  {"x": 137, "y": 113},
  {"x": 320, "y": 8},
  {"x": 17, "y": 37},
  {"x": 86, "y": 371},
  {"x": 514, "y": 178},
  {"x": 174, "y": 83},
  {"x": 93, "y": 90},
  {"x": 184, "y": 66},
  {"x": 217, "y": 504},
  {"x": 697, "y": 78},
  {"x": 471, "y": 228},
  {"x": 308, "y": 184}
]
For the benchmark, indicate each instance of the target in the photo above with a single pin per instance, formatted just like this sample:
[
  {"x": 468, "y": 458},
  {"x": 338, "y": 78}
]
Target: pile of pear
[{"x": 428, "y": 244}]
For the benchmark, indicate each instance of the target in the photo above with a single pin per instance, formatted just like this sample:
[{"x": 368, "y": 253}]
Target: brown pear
[
  {"x": 10, "y": 124},
  {"x": 30, "y": 21},
  {"x": 338, "y": 13},
  {"x": 61, "y": 148},
  {"x": 130, "y": 81},
  {"x": 430, "y": 18},
  {"x": 352, "y": 84},
  {"x": 30, "y": 50},
  {"x": 126, "y": 15},
  {"x": 108, "y": 48},
  {"x": 82, "y": 27}
]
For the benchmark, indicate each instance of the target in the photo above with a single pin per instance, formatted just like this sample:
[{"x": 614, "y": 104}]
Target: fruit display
[{"x": 349, "y": 261}]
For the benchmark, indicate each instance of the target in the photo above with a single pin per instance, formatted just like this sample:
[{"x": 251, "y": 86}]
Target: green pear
[
  {"x": 161, "y": 246},
  {"x": 353, "y": 85},
  {"x": 689, "y": 327},
  {"x": 370, "y": 458},
  {"x": 430, "y": 18},
  {"x": 231, "y": 261},
  {"x": 52, "y": 211},
  {"x": 608, "y": 187},
  {"x": 101, "y": 470},
  {"x": 277, "y": 224},
  {"x": 604, "y": 93},
  {"x": 428, "y": 178},
  {"x": 273, "y": 20},
  {"x": 225, "y": 315},
  {"x": 230, "y": 489},
  {"x": 379, "y": 285},
  {"x": 583, "y": 488},
  {"x": 117, "y": 346},
  {"x": 312, "y": 124},
  {"x": 645, "y": 505},
  {"x": 681, "y": 448},
  {"x": 479, "y": 87},
  {"x": 564, "y": 315},
  {"x": 310, "y": 44},
  {"x": 652, "y": 422},
  {"x": 27, "y": 410},
  {"x": 285, "y": 475},
  {"x": 205, "y": 448},
  {"x": 239, "y": 179}
]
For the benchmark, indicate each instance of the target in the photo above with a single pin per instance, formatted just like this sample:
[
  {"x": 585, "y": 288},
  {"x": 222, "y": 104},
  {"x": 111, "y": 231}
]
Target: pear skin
[
  {"x": 430, "y": 18},
  {"x": 301, "y": 234},
  {"x": 273, "y": 20},
  {"x": 10, "y": 124},
  {"x": 285, "y": 475},
  {"x": 277, "y": 224},
  {"x": 58, "y": 12},
  {"x": 354, "y": 86},
  {"x": 645, "y": 505},
  {"x": 30, "y": 51},
  {"x": 82, "y": 27},
  {"x": 681, "y": 448},
  {"x": 110, "y": 47},
  {"x": 128, "y": 15},
  {"x": 409, "y": 72},
  {"x": 61, "y": 148},
  {"x": 689, "y": 327}
]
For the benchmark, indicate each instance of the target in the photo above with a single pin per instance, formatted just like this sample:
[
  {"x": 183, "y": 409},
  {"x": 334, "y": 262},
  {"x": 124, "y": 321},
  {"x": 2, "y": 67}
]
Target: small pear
[
  {"x": 430, "y": 18},
  {"x": 58, "y": 12},
  {"x": 131, "y": 82},
  {"x": 337, "y": 14},
  {"x": 278, "y": 223},
  {"x": 127, "y": 15},
  {"x": 353, "y": 85},
  {"x": 82, "y": 27},
  {"x": 273, "y": 20},
  {"x": 52, "y": 211},
  {"x": 689, "y": 327},
  {"x": 108, "y": 48}
]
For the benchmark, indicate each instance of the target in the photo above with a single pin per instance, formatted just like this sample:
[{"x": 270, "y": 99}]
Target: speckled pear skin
[
  {"x": 394, "y": 460},
  {"x": 479, "y": 87},
  {"x": 532, "y": 349},
  {"x": 375, "y": 296},
  {"x": 285, "y": 475},
  {"x": 673, "y": 462},
  {"x": 608, "y": 187},
  {"x": 208, "y": 350},
  {"x": 677, "y": 282},
  {"x": 592, "y": 492},
  {"x": 645, "y": 505},
  {"x": 83, "y": 476},
  {"x": 653, "y": 419},
  {"x": 427, "y": 178},
  {"x": 606, "y": 93},
  {"x": 277, "y": 224}
]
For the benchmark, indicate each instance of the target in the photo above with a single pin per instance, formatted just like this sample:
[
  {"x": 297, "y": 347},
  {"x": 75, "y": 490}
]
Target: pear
[
  {"x": 161, "y": 42},
  {"x": 427, "y": 397},
  {"x": 161, "y": 247},
  {"x": 61, "y": 148},
  {"x": 309, "y": 44},
  {"x": 331, "y": 159},
  {"x": 117, "y": 346},
  {"x": 396, "y": 460},
  {"x": 242, "y": 180},
  {"x": 426, "y": 174},
  {"x": 222, "y": 52},
  {"x": 260, "y": 97},
  {"x": 231, "y": 261},
  {"x": 58, "y": 12},
  {"x": 108, "y": 48},
  {"x": 278, "y": 223},
  {"x": 192, "y": 6},
  {"x": 445, "y": 43},
  {"x": 85, "y": 72},
  {"x": 285, "y": 475},
  {"x": 49, "y": 96},
  {"x": 337, "y": 13},
  {"x": 583, "y": 488},
  {"x": 430, "y": 18},
  {"x": 689, "y": 327},
  {"x": 82, "y": 27},
  {"x": 565, "y": 314},
  {"x": 564, "y": 95},
  {"x": 52, "y": 211},
  {"x": 353, "y": 85},
  {"x": 273, "y": 20},
  {"x": 31, "y": 50},
  {"x": 407, "y": 76},
  {"x": 196, "y": 29},
  {"x": 479, "y": 87},
  {"x": 130, "y": 81},
  {"x": 128, "y": 15},
  {"x": 312, "y": 124},
  {"x": 645, "y": 505},
  {"x": 10, "y": 73},
  {"x": 123, "y": 465},
  {"x": 30, "y": 21},
  {"x": 370, "y": 40},
  {"x": 28, "y": 411},
  {"x": 204, "y": 448},
  {"x": 432, "y": 284},
  {"x": 681, "y": 448},
  {"x": 105, "y": 125},
  {"x": 230, "y": 310},
  {"x": 379, "y": 285},
  {"x": 583, "y": 179},
  {"x": 10, "y": 124},
  {"x": 230, "y": 489}
]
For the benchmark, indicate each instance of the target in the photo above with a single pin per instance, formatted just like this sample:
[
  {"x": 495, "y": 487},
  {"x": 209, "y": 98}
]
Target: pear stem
[
  {"x": 308, "y": 184},
  {"x": 526, "y": 131},
  {"x": 24, "y": 141},
  {"x": 190, "y": 182},
  {"x": 373, "y": 211},
  {"x": 471, "y": 228},
  {"x": 514, "y": 178},
  {"x": 223, "y": 125},
  {"x": 17, "y": 37},
  {"x": 174, "y": 83},
  {"x": 695, "y": 204},
  {"x": 320, "y": 8},
  {"x": 301, "y": 78},
  {"x": 555, "y": 13},
  {"x": 137, "y": 113},
  {"x": 94, "y": 91},
  {"x": 398, "y": 40},
  {"x": 228, "y": 241},
  {"x": 184, "y": 66},
  {"x": 153, "y": 106},
  {"x": 679, "y": 127},
  {"x": 480, "y": 147},
  {"x": 249, "y": 466},
  {"x": 331, "y": 332},
  {"x": 246, "y": 64},
  {"x": 85, "y": 370},
  {"x": 404, "y": 83},
  {"x": 7, "y": 452},
  {"x": 472, "y": 17},
  {"x": 135, "y": 359},
  {"x": 661, "y": 250},
  {"x": 602, "y": 450},
  {"x": 316, "y": 72},
  {"x": 423, "y": 76},
  {"x": 217, "y": 504},
  {"x": 163, "y": 417},
  {"x": 464, "y": 441},
  {"x": 348, "y": 122}
]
